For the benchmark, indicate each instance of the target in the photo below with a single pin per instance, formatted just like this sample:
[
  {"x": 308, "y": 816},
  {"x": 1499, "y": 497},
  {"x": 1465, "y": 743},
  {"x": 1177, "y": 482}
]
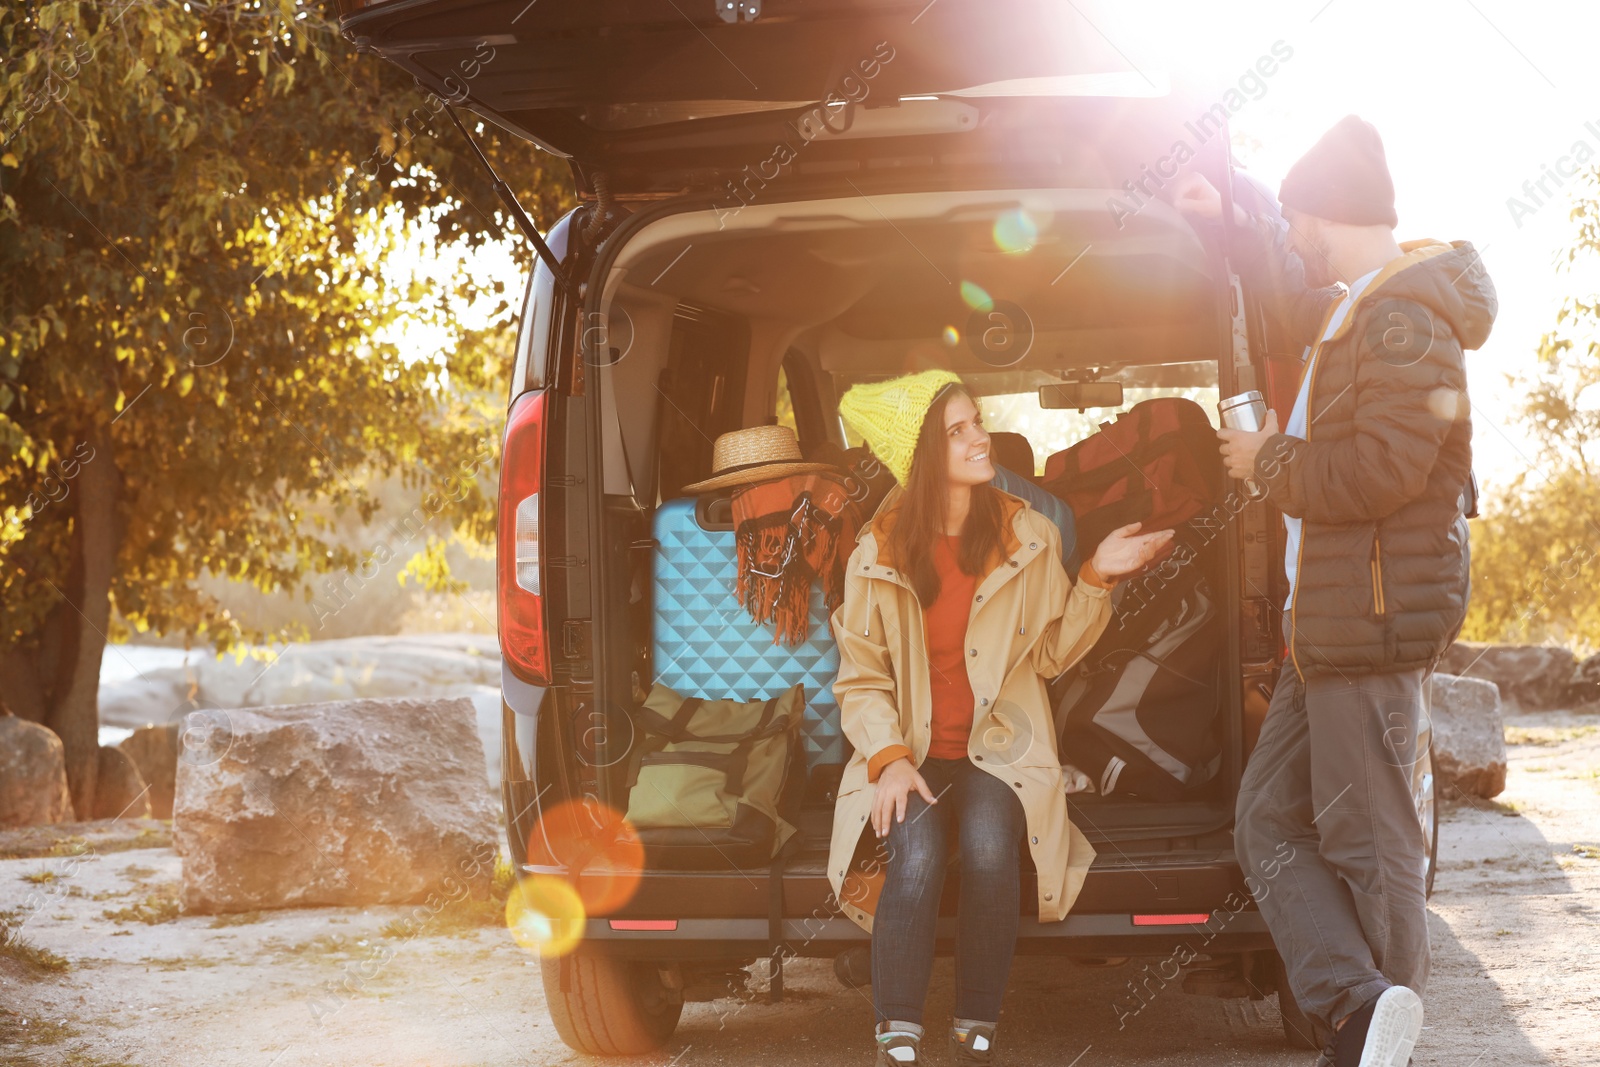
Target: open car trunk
[
  {"x": 716, "y": 321},
  {"x": 663, "y": 96},
  {"x": 822, "y": 192}
]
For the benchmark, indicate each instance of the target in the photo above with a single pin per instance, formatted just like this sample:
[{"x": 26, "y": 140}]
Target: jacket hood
[{"x": 1447, "y": 279}]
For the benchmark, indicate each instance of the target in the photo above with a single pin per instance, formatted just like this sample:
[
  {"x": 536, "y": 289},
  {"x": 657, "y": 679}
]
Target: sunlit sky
[{"x": 1472, "y": 97}]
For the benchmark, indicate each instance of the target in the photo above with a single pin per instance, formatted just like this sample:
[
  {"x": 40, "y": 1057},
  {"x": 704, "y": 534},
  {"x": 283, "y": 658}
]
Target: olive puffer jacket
[{"x": 1380, "y": 478}]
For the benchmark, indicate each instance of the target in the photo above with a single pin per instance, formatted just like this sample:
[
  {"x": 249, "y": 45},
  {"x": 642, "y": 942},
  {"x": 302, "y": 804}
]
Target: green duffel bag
[{"x": 710, "y": 783}]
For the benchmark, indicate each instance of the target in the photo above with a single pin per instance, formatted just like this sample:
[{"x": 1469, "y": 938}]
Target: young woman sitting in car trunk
[{"x": 956, "y": 610}]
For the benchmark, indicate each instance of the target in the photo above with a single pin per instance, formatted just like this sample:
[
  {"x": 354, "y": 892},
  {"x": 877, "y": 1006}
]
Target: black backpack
[{"x": 1140, "y": 713}]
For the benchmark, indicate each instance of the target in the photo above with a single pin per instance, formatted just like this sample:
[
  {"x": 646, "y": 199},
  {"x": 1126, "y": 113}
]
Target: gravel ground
[{"x": 1515, "y": 923}]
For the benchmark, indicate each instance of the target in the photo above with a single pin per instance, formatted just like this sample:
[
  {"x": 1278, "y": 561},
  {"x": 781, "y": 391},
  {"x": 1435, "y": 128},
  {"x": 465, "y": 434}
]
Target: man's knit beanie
[
  {"x": 889, "y": 415},
  {"x": 1343, "y": 178}
]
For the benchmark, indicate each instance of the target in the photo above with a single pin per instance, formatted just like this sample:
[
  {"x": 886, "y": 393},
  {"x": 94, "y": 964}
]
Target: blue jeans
[{"x": 990, "y": 825}]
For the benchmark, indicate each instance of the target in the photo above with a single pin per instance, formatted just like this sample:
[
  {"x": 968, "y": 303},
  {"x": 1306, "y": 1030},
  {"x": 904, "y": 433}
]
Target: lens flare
[
  {"x": 1016, "y": 232},
  {"x": 975, "y": 297},
  {"x": 598, "y": 844},
  {"x": 950, "y": 336},
  {"x": 545, "y": 915}
]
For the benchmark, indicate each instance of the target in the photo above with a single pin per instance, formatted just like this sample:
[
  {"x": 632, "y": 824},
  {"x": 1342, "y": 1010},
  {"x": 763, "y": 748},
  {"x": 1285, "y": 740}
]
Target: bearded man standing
[{"x": 1370, "y": 471}]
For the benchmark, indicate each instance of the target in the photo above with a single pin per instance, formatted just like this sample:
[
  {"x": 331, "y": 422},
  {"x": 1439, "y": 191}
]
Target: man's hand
[
  {"x": 1240, "y": 447},
  {"x": 896, "y": 782},
  {"x": 1193, "y": 194}
]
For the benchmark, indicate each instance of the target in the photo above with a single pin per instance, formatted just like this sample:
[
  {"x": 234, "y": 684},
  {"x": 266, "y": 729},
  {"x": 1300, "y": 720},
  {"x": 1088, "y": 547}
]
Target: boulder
[
  {"x": 33, "y": 775},
  {"x": 149, "y": 697},
  {"x": 145, "y": 684},
  {"x": 348, "y": 803},
  {"x": 1586, "y": 683},
  {"x": 119, "y": 789},
  {"x": 1530, "y": 677},
  {"x": 486, "y": 702},
  {"x": 1469, "y": 742},
  {"x": 154, "y": 750}
]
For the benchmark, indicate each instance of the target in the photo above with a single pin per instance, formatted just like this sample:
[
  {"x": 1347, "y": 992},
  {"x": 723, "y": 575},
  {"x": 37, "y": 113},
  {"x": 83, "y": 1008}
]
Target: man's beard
[{"x": 1319, "y": 272}]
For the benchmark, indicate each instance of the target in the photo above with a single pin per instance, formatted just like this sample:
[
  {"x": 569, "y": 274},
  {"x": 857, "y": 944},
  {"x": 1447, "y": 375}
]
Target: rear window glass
[
  {"x": 1049, "y": 431},
  {"x": 1010, "y": 403}
]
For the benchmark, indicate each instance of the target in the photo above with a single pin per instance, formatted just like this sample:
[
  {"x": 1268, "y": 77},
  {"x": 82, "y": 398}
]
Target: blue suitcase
[{"x": 706, "y": 645}]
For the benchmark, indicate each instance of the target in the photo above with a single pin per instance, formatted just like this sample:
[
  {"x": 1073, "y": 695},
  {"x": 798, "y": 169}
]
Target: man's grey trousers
[{"x": 1328, "y": 836}]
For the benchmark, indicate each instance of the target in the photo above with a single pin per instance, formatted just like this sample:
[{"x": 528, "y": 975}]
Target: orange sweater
[{"x": 945, "y": 624}]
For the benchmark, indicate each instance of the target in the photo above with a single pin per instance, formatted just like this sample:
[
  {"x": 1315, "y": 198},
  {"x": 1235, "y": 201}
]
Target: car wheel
[
  {"x": 608, "y": 1007},
  {"x": 1423, "y": 789},
  {"x": 1297, "y": 1029}
]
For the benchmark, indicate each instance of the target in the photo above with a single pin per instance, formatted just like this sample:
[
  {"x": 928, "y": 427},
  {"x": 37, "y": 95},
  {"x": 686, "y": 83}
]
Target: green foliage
[
  {"x": 1536, "y": 550},
  {"x": 14, "y": 946},
  {"x": 160, "y": 906},
  {"x": 202, "y": 205}
]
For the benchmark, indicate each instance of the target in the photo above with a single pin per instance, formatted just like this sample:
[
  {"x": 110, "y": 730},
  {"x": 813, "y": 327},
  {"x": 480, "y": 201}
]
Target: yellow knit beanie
[{"x": 889, "y": 415}]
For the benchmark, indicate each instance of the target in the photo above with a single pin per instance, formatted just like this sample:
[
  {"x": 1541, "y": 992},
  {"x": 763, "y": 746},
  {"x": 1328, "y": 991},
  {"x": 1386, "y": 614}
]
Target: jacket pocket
[{"x": 1379, "y": 607}]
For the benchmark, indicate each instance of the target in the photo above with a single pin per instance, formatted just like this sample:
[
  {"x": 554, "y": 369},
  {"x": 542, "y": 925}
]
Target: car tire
[
  {"x": 608, "y": 1007},
  {"x": 1297, "y": 1029}
]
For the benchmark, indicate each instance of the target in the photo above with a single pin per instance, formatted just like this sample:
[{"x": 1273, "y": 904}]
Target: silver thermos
[{"x": 1244, "y": 411}]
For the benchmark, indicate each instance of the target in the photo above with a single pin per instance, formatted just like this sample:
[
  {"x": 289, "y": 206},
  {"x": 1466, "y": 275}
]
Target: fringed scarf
[{"x": 791, "y": 532}]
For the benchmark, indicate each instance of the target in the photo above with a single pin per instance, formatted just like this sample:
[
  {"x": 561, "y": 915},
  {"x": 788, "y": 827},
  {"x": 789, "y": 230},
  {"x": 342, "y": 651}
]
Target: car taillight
[
  {"x": 524, "y": 635},
  {"x": 644, "y": 924}
]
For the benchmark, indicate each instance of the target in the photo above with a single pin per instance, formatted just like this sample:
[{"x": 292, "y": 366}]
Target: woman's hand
[
  {"x": 896, "y": 782},
  {"x": 1125, "y": 551}
]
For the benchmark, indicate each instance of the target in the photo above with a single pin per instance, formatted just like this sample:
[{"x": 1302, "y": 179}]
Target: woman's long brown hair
[{"x": 922, "y": 512}]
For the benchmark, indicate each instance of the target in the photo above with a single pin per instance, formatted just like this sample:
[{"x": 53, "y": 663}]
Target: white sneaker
[{"x": 1396, "y": 1024}]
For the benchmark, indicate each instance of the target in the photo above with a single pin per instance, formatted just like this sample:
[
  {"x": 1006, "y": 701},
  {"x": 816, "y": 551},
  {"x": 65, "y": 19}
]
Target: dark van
[{"x": 781, "y": 198}]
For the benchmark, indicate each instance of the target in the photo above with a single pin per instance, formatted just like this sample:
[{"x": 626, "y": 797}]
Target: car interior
[{"x": 719, "y": 320}]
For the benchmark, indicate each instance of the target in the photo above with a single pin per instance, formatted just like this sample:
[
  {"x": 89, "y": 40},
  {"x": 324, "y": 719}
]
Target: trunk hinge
[{"x": 509, "y": 199}]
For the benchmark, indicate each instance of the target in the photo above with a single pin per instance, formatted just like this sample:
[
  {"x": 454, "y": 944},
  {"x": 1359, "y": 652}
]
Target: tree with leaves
[
  {"x": 200, "y": 203},
  {"x": 1536, "y": 550}
]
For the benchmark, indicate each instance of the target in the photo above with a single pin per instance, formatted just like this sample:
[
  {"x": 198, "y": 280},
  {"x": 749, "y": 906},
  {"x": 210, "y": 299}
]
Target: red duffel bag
[{"x": 1157, "y": 464}]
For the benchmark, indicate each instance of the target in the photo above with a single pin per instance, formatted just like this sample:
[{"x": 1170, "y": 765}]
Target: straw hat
[{"x": 756, "y": 454}]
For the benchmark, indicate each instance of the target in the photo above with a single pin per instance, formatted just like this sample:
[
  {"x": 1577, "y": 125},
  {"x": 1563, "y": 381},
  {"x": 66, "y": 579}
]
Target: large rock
[
  {"x": 350, "y": 669},
  {"x": 1469, "y": 741},
  {"x": 1530, "y": 677},
  {"x": 1586, "y": 683},
  {"x": 353, "y": 802},
  {"x": 119, "y": 789},
  {"x": 160, "y": 685},
  {"x": 151, "y": 697},
  {"x": 33, "y": 775},
  {"x": 154, "y": 750}
]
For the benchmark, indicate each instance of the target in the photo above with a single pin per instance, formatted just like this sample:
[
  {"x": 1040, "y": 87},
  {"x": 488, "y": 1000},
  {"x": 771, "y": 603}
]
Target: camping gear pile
[{"x": 741, "y": 724}]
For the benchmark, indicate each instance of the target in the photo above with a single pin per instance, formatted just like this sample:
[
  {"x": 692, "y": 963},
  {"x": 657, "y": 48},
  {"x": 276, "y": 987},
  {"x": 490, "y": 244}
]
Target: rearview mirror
[{"x": 1079, "y": 395}]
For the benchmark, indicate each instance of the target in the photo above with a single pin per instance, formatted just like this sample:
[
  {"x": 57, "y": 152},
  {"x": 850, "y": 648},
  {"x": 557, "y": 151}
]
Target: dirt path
[{"x": 1516, "y": 974}]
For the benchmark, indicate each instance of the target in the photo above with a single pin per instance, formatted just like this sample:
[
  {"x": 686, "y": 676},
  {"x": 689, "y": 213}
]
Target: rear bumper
[
  {"x": 723, "y": 914},
  {"x": 1076, "y": 935}
]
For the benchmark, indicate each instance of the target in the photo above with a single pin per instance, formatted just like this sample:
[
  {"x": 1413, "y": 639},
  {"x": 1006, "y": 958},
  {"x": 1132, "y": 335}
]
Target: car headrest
[{"x": 1012, "y": 451}]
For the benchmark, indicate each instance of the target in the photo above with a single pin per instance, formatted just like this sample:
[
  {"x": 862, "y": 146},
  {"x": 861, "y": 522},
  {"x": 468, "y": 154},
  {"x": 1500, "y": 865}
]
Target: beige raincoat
[{"x": 1027, "y": 623}]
